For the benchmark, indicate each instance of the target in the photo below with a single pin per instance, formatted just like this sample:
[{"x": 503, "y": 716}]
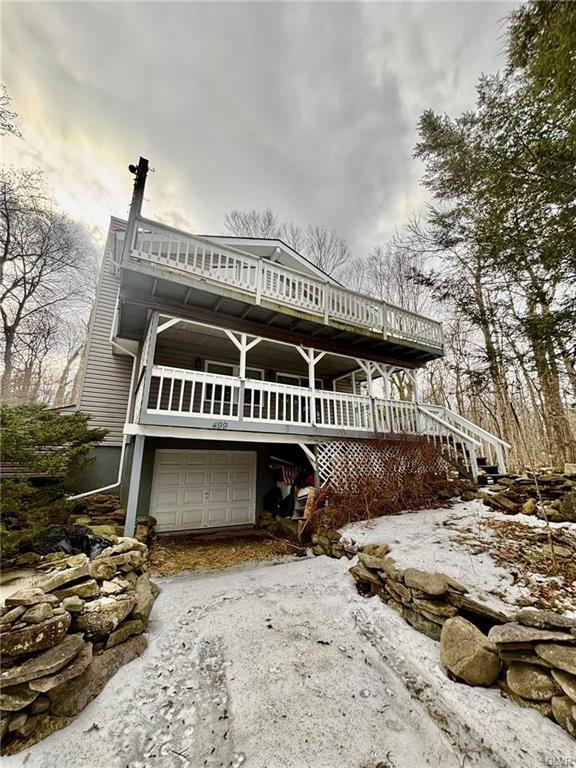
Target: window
[{"x": 228, "y": 369}]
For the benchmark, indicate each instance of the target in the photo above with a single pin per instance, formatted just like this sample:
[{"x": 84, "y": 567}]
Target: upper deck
[{"x": 321, "y": 307}]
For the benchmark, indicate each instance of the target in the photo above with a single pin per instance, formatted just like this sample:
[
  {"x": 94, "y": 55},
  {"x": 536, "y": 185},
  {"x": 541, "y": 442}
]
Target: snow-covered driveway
[{"x": 286, "y": 666}]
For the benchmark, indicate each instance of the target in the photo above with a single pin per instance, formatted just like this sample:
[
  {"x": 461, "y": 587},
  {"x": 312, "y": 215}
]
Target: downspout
[{"x": 125, "y": 438}]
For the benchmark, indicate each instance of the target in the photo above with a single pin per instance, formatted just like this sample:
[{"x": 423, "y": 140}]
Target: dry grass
[
  {"x": 174, "y": 554},
  {"x": 527, "y": 552},
  {"x": 524, "y": 551}
]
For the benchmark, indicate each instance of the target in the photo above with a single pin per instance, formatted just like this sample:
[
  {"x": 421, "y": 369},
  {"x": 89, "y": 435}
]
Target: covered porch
[{"x": 194, "y": 375}]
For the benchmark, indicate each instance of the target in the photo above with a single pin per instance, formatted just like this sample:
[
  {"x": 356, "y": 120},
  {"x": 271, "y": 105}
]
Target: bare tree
[
  {"x": 8, "y": 123},
  {"x": 320, "y": 245},
  {"x": 45, "y": 263}
]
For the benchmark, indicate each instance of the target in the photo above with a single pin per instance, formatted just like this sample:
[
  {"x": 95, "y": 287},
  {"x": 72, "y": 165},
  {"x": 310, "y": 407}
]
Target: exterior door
[{"x": 194, "y": 489}]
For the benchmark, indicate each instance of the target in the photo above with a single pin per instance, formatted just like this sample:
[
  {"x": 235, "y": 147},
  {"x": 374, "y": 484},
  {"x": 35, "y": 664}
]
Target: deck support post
[
  {"x": 500, "y": 459},
  {"x": 473, "y": 461},
  {"x": 135, "y": 475}
]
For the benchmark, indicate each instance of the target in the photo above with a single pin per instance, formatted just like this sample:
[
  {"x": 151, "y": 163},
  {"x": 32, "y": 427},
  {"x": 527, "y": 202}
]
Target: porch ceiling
[{"x": 186, "y": 341}]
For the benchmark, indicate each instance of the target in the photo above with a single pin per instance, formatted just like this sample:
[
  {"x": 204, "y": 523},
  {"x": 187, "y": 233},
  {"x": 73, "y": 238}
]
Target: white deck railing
[
  {"x": 181, "y": 393},
  {"x": 265, "y": 280}
]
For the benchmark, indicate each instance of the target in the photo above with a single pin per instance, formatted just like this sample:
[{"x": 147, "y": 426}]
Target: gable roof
[{"x": 267, "y": 246}]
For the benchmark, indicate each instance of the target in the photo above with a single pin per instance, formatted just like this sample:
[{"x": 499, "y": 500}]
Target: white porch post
[
  {"x": 243, "y": 345},
  {"x": 366, "y": 366},
  {"x": 148, "y": 364},
  {"x": 135, "y": 475},
  {"x": 311, "y": 358}
]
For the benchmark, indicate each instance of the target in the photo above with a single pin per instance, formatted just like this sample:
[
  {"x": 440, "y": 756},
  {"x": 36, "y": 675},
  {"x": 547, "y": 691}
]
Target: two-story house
[{"x": 210, "y": 357}]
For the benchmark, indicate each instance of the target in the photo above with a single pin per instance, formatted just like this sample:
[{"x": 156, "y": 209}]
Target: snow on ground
[
  {"x": 287, "y": 666},
  {"x": 422, "y": 540}
]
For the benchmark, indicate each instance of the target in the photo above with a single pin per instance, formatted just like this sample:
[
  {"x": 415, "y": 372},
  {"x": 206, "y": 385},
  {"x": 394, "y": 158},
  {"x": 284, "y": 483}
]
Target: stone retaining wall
[
  {"x": 65, "y": 636},
  {"x": 529, "y": 654},
  {"x": 104, "y": 515}
]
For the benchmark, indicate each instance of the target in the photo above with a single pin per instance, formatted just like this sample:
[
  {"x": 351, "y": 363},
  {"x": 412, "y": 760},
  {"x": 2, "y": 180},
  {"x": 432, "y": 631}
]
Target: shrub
[
  {"x": 385, "y": 477},
  {"x": 42, "y": 450}
]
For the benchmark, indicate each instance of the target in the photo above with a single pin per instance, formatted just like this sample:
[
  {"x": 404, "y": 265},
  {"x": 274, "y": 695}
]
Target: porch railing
[
  {"x": 178, "y": 392},
  {"x": 265, "y": 280}
]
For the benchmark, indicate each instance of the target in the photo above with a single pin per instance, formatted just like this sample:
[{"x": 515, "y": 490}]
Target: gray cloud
[{"x": 310, "y": 109}]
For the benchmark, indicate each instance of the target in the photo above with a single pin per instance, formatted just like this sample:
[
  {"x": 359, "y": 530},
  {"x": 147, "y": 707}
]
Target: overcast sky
[{"x": 310, "y": 109}]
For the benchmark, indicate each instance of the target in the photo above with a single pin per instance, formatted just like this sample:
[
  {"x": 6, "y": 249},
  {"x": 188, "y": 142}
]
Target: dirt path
[{"x": 285, "y": 666}]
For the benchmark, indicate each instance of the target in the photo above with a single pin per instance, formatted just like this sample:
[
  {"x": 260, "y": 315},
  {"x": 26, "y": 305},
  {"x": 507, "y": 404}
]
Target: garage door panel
[
  {"x": 192, "y": 496},
  {"x": 210, "y": 489},
  {"x": 240, "y": 494}
]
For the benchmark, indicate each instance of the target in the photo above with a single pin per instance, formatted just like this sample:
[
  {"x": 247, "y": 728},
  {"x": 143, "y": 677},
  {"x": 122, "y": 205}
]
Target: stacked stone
[
  {"x": 425, "y": 600},
  {"x": 104, "y": 516},
  {"x": 522, "y": 494},
  {"x": 530, "y": 655},
  {"x": 329, "y": 541},
  {"x": 538, "y": 651},
  {"x": 64, "y": 636}
]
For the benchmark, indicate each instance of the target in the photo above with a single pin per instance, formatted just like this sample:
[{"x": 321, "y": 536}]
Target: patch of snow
[
  {"x": 424, "y": 540},
  {"x": 287, "y": 666}
]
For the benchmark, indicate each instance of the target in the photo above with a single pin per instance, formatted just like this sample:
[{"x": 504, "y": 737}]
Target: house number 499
[{"x": 220, "y": 425}]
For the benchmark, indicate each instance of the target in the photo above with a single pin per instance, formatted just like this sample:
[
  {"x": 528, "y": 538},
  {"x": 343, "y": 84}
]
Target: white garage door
[{"x": 203, "y": 489}]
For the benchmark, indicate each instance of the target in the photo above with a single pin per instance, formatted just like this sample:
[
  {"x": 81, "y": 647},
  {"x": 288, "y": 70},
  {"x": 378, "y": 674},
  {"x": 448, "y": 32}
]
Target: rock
[
  {"x": 71, "y": 697},
  {"x": 45, "y": 663},
  {"x": 75, "y": 668},
  {"x": 396, "y": 606},
  {"x": 429, "y": 583},
  {"x": 27, "y": 596},
  {"x": 376, "y": 550},
  {"x": 102, "y": 616},
  {"x": 563, "y": 711},
  {"x": 371, "y": 561},
  {"x": 146, "y": 594},
  {"x": 453, "y": 584},
  {"x": 35, "y": 637},
  {"x": 476, "y": 608},
  {"x": 103, "y": 530},
  {"x": 527, "y": 656},
  {"x": 560, "y": 656},
  {"x": 102, "y": 569},
  {"x": 422, "y": 624},
  {"x": 503, "y": 504},
  {"x": 529, "y": 507},
  {"x": 468, "y": 653},
  {"x": 73, "y": 604},
  {"x": 125, "y": 630},
  {"x": 13, "y": 698},
  {"x": 4, "y": 722},
  {"x": 333, "y": 535},
  {"x": 468, "y": 496},
  {"x": 110, "y": 588},
  {"x": 74, "y": 561},
  {"x": 543, "y": 707},
  {"x": 531, "y": 682},
  {"x": 27, "y": 559},
  {"x": 28, "y": 728},
  {"x": 436, "y": 607},
  {"x": 361, "y": 573},
  {"x": 84, "y": 589},
  {"x": 38, "y": 613},
  {"x": 39, "y": 705},
  {"x": 514, "y": 633},
  {"x": 12, "y": 615},
  {"x": 17, "y": 721},
  {"x": 389, "y": 570},
  {"x": 566, "y": 681},
  {"x": 398, "y": 591},
  {"x": 57, "y": 579},
  {"x": 544, "y": 619}
]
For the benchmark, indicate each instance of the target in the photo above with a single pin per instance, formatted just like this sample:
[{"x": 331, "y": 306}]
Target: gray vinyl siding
[{"x": 106, "y": 379}]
